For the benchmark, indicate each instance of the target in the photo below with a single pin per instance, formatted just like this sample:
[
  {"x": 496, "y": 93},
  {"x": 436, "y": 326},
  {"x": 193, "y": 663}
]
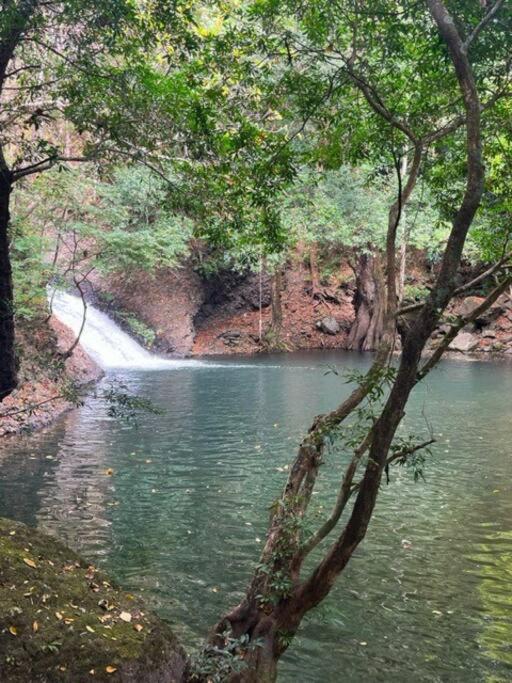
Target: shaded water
[{"x": 426, "y": 598}]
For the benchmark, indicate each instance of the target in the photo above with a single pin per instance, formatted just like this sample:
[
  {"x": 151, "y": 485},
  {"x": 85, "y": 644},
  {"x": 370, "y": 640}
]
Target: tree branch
[
  {"x": 321, "y": 580},
  {"x": 464, "y": 320},
  {"x": 465, "y": 287},
  {"x": 480, "y": 27},
  {"x": 45, "y": 165},
  {"x": 344, "y": 494}
]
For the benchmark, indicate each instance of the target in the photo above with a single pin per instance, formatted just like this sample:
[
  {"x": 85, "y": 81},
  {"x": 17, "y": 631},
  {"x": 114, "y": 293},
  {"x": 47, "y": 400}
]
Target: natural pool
[{"x": 428, "y": 597}]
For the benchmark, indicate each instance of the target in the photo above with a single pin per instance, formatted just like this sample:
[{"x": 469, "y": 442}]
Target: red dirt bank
[
  {"x": 40, "y": 383},
  {"x": 221, "y": 315}
]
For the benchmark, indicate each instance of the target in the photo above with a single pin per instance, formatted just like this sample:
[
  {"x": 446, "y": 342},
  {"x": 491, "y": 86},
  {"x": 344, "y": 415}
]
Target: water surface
[{"x": 181, "y": 520}]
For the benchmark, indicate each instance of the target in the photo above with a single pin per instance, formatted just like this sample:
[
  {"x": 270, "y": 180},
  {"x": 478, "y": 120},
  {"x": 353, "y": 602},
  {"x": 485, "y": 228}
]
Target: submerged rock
[{"x": 63, "y": 620}]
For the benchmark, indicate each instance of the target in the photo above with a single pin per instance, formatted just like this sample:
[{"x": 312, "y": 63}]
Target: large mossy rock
[{"x": 63, "y": 620}]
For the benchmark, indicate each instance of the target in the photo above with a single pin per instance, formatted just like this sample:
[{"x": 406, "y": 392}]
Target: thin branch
[
  {"x": 45, "y": 165},
  {"x": 395, "y": 214},
  {"x": 376, "y": 103},
  {"x": 78, "y": 285},
  {"x": 407, "y": 452},
  {"x": 462, "y": 322},
  {"x": 344, "y": 494},
  {"x": 465, "y": 287},
  {"x": 31, "y": 407},
  {"x": 480, "y": 27}
]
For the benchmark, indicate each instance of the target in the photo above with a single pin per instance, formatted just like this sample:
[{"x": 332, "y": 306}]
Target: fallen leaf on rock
[{"x": 90, "y": 572}]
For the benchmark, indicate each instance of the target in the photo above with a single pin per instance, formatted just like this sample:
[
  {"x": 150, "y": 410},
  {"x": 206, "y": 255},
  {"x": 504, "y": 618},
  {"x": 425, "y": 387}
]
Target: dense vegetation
[{"x": 137, "y": 135}]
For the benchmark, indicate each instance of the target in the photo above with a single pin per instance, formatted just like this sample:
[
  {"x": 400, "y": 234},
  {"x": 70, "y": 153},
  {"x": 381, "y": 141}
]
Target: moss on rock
[{"x": 62, "y": 620}]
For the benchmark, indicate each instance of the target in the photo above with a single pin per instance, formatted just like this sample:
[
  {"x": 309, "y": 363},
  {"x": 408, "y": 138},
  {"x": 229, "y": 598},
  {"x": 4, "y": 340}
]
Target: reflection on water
[{"x": 426, "y": 598}]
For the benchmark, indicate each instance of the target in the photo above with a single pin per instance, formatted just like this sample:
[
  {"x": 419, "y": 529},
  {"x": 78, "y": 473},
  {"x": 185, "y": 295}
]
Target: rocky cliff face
[
  {"x": 166, "y": 302},
  {"x": 202, "y": 316},
  {"x": 232, "y": 312}
]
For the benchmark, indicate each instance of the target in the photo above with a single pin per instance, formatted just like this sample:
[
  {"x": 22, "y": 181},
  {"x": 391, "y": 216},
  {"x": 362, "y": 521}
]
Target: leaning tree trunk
[
  {"x": 8, "y": 373},
  {"x": 369, "y": 301}
]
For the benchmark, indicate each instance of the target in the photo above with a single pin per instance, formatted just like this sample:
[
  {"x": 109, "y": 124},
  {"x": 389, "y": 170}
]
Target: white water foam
[{"x": 105, "y": 341}]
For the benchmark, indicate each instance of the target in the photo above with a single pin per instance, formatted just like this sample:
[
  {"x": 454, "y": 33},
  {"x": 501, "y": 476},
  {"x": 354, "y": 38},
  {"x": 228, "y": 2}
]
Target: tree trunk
[
  {"x": 405, "y": 240},
  {"x": 313, "y": 268},
  {"x": 369, "y": 301},
  {"x": 278, "y": 597},
  {"x": 277, "y": 304},
  {"x": 8, "y": 379}
]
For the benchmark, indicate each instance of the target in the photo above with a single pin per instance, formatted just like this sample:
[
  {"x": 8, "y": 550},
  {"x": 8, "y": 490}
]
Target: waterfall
[{"x": 104, "y": 341}]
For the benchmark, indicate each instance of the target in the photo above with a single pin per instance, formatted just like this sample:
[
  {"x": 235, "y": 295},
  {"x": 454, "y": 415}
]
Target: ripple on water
[{"x": 426, "y": 597}]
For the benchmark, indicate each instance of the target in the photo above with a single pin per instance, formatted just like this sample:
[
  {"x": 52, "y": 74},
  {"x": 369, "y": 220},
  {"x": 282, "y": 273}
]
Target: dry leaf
[
  {"x": 13, "y": 630},
  {"x": 90, "y": 629},
  {"x": 125, "y": 616},
  {"x": 109, "y": 472},
  {"x": 110, "y": 669},
  {"x": 59, "y": 615},
  {"x": 35, "y": 627},
  {"x": 138, "y": 627},
  {"x": 29, "y": 562}
]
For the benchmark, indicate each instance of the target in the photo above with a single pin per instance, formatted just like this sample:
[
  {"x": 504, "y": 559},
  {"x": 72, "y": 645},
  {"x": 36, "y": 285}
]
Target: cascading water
[{"x": 104, "y": 341}]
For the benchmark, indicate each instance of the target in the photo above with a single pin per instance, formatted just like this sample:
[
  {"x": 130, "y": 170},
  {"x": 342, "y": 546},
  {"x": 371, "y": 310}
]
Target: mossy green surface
[{"x": 62, "y": 620}]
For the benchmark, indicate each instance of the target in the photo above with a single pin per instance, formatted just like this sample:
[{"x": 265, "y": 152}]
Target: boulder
[
  {"x": 328, "y": 325},
  {"x": 231, "y": 337},
  {"x": 62, "y": 620},
  {"x": 469, "y": 304},
  {"x": 487, "y": 317},
  {"x": 464, "y": 342},
  {"x": 230, "y": 334}
]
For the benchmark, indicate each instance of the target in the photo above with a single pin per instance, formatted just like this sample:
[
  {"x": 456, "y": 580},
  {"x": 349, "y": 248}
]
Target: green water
[{"x": 427, "y": 597}]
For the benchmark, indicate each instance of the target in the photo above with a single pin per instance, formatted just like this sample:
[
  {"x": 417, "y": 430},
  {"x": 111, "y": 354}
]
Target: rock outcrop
[
  {"x": 328, "y": 325},
  {"x": 62, "y": 620},
  {"x": 464, "y": 342}
]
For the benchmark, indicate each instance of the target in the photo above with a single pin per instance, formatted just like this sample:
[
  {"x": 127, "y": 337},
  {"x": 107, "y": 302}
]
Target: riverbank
[
  {"x": 178, "y": 312},
  {"x": 48, "y": 377},
  {"x": 62, "y": 620}
]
